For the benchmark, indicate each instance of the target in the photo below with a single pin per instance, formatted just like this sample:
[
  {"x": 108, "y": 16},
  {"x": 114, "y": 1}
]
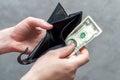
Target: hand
[
  {"x": 55, "y": 65},
  {"x": 25, "y": 34}
]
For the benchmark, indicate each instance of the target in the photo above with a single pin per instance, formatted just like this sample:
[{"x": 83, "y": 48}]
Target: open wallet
[{"x": 63, "y": 24}]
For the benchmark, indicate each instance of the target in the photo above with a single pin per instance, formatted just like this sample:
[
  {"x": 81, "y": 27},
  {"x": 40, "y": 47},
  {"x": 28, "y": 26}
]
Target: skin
[
  {"x": 55, "y": 64},
  {"x": 27, "y": 33}
]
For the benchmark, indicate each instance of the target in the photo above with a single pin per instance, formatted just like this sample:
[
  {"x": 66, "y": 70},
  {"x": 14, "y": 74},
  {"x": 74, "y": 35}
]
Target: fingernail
[
  {"x": 46, "y": 23},
  {"x": 49, "y": 25},
  {"x": 72, "y": 44}
]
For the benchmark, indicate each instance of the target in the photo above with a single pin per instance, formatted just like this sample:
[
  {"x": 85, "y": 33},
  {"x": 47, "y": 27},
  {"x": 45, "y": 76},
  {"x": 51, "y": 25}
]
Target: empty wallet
[{"x": 63, "y": 24}]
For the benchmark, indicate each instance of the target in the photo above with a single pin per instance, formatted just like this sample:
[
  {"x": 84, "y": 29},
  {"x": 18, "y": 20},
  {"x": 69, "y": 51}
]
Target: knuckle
[
  {"x": 51, "y": 52},
  {"x": 87, "y": 58},
  {"x": 29, "y": 19},
  {"x": 70, "y": 67}
]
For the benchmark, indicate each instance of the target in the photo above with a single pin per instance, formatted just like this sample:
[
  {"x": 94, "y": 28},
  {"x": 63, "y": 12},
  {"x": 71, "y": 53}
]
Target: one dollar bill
[{"x": 85, "y": 32}]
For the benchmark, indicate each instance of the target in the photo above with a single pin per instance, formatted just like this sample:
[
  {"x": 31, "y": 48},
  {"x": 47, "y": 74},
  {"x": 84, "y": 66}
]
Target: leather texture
[{"x": 63, "y": 24}]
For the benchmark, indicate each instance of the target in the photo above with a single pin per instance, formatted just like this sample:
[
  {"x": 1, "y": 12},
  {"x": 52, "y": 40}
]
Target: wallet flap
[{"x": 58, "y": 14}]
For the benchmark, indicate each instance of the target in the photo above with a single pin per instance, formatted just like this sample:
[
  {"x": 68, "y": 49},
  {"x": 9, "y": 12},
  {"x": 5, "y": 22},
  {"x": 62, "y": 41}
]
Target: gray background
[{"x": 104, "y": 50}]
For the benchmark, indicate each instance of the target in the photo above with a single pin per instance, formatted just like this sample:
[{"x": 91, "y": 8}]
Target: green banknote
[{"x": 85, "y": 32}]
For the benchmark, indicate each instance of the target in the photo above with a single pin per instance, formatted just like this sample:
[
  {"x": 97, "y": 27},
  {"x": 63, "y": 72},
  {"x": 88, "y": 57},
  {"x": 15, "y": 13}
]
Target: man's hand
[
  {"x": 25, "y": 34},
  {"x": 28, "y": 33},
  {"x": 55, "y": 65}
]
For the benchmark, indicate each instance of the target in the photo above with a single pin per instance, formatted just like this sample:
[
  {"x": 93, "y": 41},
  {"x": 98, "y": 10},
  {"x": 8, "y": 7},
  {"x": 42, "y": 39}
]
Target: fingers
[
  {"x": 82, "y": 58},
  {"x": 35, "y": 22},
  {"x": 64, "y": 51}
]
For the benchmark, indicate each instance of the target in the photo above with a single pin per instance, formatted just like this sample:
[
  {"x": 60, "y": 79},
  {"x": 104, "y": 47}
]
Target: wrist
[
  {"x": 5, "y": 40},
  {"x": 30, "y": 76},
  {"x": 36, "y": 74}
]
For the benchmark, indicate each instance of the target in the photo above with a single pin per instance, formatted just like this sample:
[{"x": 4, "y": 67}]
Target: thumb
[{"x": 65, "y": 51}]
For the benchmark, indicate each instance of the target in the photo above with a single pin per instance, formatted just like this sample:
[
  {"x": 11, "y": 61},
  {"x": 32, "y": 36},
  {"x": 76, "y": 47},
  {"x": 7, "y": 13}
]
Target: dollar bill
[{"x": 85, "y": 32}]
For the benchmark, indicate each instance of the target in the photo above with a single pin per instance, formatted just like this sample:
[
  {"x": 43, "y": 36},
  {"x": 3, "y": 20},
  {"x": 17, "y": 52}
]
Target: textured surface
[{"x": 104, "y": 50}]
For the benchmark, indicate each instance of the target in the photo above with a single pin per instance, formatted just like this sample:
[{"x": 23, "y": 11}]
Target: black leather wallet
[{"x": 63, "y": 24}]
